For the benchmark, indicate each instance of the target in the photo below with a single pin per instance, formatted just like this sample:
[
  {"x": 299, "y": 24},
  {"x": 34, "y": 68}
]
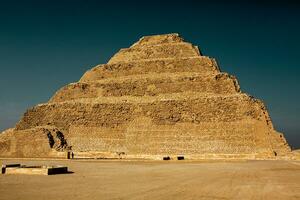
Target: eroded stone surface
[{"x": 160, "y": 97}]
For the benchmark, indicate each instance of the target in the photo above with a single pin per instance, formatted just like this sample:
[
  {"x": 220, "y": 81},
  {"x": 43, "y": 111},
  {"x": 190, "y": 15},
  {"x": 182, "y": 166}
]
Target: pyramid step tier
[
  {"x": 199, "y": 64},
  {"x": 144, "y": 137},
  {"x": 158, "y": 39},
  {"x": 169, "y": 50},
  {"x": 150, "y": 84},
  {"x": 172, "y": 109}
]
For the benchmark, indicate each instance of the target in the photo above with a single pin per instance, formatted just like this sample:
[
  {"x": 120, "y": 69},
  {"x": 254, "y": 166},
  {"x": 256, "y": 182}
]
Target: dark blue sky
[{"x": 46, "y": 44}]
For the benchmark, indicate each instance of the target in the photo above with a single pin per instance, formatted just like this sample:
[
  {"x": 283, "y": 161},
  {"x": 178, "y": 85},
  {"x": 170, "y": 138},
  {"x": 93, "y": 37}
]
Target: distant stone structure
[
  {"x": 159, "y": 98},
  {"x": 33, "y": 170}
]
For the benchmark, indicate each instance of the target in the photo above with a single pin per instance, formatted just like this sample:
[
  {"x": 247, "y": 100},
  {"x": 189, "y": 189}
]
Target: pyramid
[{"x": 160, "y": 97}]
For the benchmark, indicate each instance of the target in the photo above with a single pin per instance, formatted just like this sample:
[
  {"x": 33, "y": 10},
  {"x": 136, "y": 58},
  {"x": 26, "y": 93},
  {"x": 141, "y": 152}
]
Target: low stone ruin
[{"x": 33, "y": 170}]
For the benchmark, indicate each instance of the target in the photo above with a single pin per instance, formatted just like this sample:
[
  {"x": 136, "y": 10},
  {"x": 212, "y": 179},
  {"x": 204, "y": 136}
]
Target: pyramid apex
[{"x": 159, "y": 39}]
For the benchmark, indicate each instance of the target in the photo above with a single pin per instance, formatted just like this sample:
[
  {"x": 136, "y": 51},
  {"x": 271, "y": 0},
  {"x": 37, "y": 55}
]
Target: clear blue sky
[{"x": 45, "y": 45}]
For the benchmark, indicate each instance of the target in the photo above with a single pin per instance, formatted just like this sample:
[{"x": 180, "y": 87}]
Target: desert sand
[{"x": 115, "y": 179}]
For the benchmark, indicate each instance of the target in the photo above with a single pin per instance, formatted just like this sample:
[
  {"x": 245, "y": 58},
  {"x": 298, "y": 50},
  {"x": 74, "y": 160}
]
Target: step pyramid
[{"x": 160, "y": 97}]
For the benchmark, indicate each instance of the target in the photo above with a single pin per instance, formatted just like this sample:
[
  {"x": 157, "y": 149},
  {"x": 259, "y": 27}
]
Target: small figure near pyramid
[{"x": 160, "y": 98}]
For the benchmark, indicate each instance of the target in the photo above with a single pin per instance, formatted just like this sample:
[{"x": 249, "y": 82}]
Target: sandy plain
[{"x": 115, "y": 179}]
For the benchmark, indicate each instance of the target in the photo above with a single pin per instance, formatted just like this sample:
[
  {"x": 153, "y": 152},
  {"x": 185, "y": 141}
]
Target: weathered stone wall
[
  {"x": 169, "y": 50},
  {"x": 35, "y": 142},
  {"x": 233, "y": 124},
  {"x": 66, "y": 114},
  {"x": 279, "y": 144},
  {"x": 244, "y": 136},
  {"x": 200, "y": 64},
  {"x": 158, "y": 39},
  {"x": 95, "y": 138},
  {"x": 221, "y": 83},
  {"x": 199, "y": 109},
  {"x": 142, "y": 136}
]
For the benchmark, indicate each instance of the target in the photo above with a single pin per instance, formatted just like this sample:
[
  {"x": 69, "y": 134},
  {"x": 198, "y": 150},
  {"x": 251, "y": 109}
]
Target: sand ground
[{"x": 94, "y": 179}]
